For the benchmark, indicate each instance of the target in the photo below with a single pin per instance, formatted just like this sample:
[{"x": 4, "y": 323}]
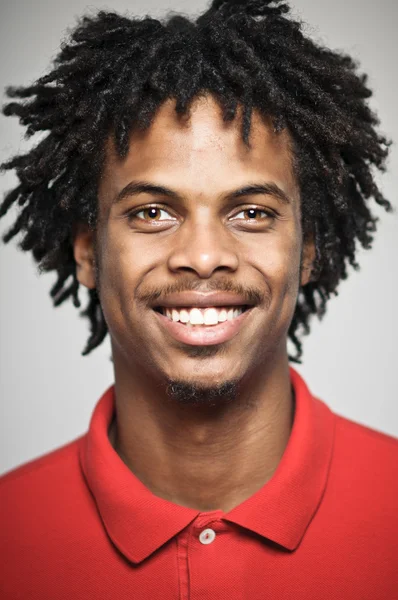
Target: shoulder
[
  {"x": 47, "y": 515},
  {"x": 37, "y": 465},
  {"x": 35, "y": 486},
  {"x": 366, "y": 443},
  {"x": 363, "y": 476},
  {"x": 43, "y": 505}
]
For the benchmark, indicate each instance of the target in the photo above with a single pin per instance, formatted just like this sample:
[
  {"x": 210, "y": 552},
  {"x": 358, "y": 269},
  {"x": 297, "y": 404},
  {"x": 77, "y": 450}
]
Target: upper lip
[{"x": 195, "y": 299}]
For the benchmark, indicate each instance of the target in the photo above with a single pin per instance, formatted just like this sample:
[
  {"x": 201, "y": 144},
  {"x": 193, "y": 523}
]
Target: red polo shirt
[{"x": 77, "y": 523}]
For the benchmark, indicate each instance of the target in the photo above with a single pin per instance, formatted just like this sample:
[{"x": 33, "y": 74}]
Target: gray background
[{"x": 48, "y": 390}]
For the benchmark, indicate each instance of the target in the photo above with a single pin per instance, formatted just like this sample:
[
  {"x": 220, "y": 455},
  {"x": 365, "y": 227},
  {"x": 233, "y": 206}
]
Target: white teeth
[
  {"x": 210, "y": 316},
  {"x": 184, "y": 316},
  {"x": 206, "y": 316},
  {"x": 222, "y": 315},
  {"x": 196, "y": 317}
]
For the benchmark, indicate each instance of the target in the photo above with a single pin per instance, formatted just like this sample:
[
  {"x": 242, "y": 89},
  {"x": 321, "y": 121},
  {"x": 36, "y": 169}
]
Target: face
[{"x": 192, "y": 209}]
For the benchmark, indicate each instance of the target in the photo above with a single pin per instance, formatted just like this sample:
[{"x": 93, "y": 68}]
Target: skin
[{"x": 216, "y": 451}]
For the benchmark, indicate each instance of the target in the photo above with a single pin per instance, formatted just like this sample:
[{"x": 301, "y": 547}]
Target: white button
[{"x": 207, "y": 536}]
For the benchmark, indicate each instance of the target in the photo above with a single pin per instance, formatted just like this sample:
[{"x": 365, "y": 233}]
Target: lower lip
[{"x": 202, "y": 335}]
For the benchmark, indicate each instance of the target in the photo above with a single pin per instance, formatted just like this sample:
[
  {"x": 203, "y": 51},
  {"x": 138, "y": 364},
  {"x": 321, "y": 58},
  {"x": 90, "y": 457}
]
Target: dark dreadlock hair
[{"x": 115, "y": 72}]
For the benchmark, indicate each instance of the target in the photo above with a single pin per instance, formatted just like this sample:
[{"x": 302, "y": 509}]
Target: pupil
[
  {"x": 153, "y": 212},
  {"x": 252, "y": 212}
]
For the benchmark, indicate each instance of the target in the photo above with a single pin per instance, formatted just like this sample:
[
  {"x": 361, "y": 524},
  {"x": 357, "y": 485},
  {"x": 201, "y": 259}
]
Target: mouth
[
  {"x": 207, "y": 316},
  {"x": 204, "y": 326}
]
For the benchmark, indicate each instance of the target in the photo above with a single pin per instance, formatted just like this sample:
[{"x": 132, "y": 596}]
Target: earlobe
[
  {"x": 83, "y": 251},
  {"x": 307, "y": 262}
]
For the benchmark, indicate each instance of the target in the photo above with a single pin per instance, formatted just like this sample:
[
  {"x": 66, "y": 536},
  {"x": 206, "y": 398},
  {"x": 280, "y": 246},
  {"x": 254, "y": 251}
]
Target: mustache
[{"x": 251, "y": 294}]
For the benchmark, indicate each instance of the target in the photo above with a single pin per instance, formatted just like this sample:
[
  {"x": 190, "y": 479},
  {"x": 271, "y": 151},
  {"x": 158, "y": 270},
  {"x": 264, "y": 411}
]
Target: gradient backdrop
[{"x": 48, "y": 390}]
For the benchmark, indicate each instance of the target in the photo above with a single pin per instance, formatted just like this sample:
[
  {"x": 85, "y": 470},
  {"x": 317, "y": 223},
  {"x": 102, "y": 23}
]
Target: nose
[{"x": 203, "y": 247}]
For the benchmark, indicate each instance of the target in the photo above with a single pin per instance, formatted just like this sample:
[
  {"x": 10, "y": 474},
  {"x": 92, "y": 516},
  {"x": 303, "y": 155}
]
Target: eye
[
  {"x": 253, "y": 215},
  {"x": 151, "y": 214}
]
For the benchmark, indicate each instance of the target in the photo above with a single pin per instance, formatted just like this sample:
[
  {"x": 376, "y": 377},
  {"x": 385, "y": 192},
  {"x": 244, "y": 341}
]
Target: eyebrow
[{"x": 139, "y": 187}]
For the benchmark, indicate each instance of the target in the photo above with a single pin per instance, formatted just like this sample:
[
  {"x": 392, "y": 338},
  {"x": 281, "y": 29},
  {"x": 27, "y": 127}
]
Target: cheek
[
  {"x": 118, "y": 277},
  {"x": 277, "y": 257},
  {"x": 287, "y": 278},
  {"x": 126, "y": 261}
]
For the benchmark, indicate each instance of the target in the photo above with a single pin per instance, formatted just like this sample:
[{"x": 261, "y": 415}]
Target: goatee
[{"x": 191, "y": 394}]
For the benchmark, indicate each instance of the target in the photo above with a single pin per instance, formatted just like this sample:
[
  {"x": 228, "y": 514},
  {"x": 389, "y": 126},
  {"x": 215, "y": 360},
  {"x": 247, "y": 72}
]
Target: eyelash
[{"x": 132, "y": 214}]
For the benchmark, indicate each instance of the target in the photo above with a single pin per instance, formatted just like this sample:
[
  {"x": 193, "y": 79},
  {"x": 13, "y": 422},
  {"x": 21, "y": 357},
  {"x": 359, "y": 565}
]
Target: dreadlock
[{"x": 114, "y": 73}]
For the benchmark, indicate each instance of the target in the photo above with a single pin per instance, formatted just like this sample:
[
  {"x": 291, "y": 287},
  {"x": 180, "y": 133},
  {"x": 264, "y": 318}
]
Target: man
[{"x": 206, "y": 181}]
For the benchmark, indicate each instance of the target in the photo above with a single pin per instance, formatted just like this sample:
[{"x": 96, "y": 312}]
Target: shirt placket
[{"x": 194, "y": 544}]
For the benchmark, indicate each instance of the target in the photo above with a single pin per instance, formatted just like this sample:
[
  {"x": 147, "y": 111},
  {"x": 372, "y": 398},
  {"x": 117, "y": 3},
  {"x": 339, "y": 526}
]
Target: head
[
  {"x": 192, "y": 208},
  {"x": 202, "y": 107}
]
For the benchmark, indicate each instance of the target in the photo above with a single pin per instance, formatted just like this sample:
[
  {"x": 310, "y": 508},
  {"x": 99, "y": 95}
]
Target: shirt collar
[{"x": 138, "y": 522}]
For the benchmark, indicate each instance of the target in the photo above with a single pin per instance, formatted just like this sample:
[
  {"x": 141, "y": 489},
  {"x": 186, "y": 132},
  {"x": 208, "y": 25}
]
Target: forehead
[{"x": 201, "y": 152}]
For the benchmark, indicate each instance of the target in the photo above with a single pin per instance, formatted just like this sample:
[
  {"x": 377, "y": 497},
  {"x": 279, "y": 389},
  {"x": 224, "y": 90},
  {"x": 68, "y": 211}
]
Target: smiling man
[{"x": 206, "y": 180}]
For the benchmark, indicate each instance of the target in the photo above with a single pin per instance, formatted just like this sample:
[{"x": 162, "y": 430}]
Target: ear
[
  {"x": 83, "y": 251},
  {"x": 307, "y": 261}
]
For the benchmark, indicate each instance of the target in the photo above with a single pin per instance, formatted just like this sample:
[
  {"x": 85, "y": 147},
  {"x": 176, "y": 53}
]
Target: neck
[{"x": 207, "y": 459}]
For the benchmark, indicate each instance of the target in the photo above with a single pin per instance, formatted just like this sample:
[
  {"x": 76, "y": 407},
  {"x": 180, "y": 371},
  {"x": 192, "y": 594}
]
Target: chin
[
  {"x": 198, "y": 392},
  {"x": 209, "y": 373}
]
